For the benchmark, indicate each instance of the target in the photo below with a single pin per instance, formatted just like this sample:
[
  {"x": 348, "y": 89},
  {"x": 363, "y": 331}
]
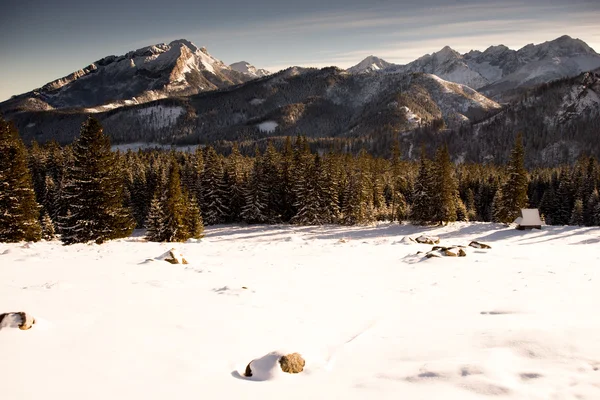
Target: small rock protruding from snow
[
  {"x": 292, "y": 363},
  {"x": 173, "y": 256},
  {"x": 20, "y": 320},
  {"x": 274, "y": 364},
  {"x": 479, "y": 245},
  {"x": 442, "y": 251},
  {"x": 427, "y": 239}
]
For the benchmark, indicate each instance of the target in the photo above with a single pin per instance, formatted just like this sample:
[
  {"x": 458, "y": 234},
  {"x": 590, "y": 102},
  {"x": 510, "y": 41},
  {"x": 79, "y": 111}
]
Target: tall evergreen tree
[
  {"x": 94, "y": 191},
  {"x": 48, "y": 232},
  {"x": 174, "y": 207},
  {"x": 445, "y": 192},
  {"x": 254, "y": 210},
  {"x": 577, "y": 213},
  {"x": 235, "y": 184},
  {"x": 514, "y": 192},
  {"x": 19, "y": 211},
  {"x": 424, "y": 192},
  {"x": 214, "y": 192},
  {"x": 156, "y": 220}
]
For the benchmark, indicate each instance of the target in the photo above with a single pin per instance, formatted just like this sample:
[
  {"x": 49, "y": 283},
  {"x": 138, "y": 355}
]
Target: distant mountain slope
[
  {"x": 248, "y": 69},
  {"x": 500, "y": 72},
  {"x": 150, "y": 73},
  {"x": 316, "y": 103},
  {"x": 559, "y": 121}
]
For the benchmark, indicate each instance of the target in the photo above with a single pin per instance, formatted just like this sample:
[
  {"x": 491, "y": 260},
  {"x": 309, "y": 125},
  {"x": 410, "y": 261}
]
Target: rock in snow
[
  {"x": 20, "y": 320},
  {"x": 272, "y": 364}
]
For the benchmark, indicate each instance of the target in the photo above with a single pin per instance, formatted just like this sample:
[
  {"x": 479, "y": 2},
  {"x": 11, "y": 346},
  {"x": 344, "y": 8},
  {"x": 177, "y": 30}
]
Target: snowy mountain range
[
  {"x": 499, "y": 71},
  {"x": 317, "y": 103},
  {"x": 178, "y": 93},
  {"x": 179, "y": 68}
]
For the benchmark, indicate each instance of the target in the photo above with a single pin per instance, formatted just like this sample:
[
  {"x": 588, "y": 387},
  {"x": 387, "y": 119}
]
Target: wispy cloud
[{"x": 427, "y": 34}]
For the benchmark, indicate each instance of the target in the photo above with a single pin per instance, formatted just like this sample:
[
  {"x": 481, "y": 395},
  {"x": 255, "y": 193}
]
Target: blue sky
[{"x": 43, "y": 40}]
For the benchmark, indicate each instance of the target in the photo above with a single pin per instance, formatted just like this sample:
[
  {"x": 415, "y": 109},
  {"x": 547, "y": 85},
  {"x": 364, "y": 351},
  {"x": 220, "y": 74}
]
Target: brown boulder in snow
[
  {"x": 248, "y": 372},
  {"x": 427, "y": 239},
  {"x": 479, "y": 245},
  {"x": 174, "y": 257},
  {"x": 292, "y": 363}
]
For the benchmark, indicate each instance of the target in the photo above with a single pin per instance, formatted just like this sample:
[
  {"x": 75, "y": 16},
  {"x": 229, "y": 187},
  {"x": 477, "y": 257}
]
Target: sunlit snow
[{"x": 372, "y": 318}]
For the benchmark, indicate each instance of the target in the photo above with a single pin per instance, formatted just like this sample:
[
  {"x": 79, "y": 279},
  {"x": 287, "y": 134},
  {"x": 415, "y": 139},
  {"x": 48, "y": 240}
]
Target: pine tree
[
  {"x": 288, "y": 176},
  {"x": 577, "y": 213},
  {"x": 18, "y": 208},
  {"x": 254, "y": 210},
  {"x": 445, "y": 192},
  {"x": 174, "y": 207},
  {"x": 48, "y": 232},
  {"x": 193, "y": 218},
  {"x": 313, "y": 208},
  {"x": 514, "y": 192},
  {"x": 423, "y": 193},
  {"x": 214, "y": 203},
  {"x": 155, "y": 221},
  {"x": 235, "y": 184},
  {"x": 93, "y": 191}
]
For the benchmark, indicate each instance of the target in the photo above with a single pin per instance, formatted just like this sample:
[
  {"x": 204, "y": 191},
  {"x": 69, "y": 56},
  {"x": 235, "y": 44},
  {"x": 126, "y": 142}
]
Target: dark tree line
[{"x": 84, "y": 192}]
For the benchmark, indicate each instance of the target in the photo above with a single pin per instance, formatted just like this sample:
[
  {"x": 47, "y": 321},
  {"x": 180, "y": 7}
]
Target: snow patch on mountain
[
  {"x": 268, "y": 126},
  {"x": 257, "y": 101}
]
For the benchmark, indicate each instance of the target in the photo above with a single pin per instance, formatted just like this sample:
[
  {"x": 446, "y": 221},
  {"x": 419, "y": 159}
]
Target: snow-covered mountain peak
[
  {"x": 186, "y": 43},
  {"x": 369, "y": 64},
  {"x": 148, "y": 73},
  {"x": 248, "y": 69},
  {"x": 446, "y": 53}
]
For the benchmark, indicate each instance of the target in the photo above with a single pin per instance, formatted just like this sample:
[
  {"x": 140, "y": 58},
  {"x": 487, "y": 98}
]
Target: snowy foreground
[{"x": 372, "y": 319}]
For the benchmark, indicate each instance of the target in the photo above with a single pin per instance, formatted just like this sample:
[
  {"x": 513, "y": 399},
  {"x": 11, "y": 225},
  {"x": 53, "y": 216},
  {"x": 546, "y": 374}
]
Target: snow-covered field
[{"x": 372, "y": 319}]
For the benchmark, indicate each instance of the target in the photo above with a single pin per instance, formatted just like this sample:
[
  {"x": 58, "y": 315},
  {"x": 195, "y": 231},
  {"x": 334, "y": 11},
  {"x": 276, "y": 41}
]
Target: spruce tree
[
  {"x": 174, "y": 207},
  {"x": 254, "y": 210},
  {"x": 423, "y": 193},
  {"x": 577, "y": 213},
  {"x": 445, "y": 194},
  {"x": 18, "y": 208},
  {"x": 514, "y": 192},
  {"x": 156, "y": 220},
  {"x": 214, "y": 192},
  {"x": 193, "y": 217},
  {"x": 93, "y": 192},
  {"x": 48, "y": 232},
  {"x": 235, "y": 184}
]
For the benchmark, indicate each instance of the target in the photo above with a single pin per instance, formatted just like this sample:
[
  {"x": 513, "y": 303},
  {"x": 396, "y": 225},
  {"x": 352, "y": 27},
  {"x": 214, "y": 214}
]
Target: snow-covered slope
[
  {"x": 534, "y": 64},
  {"x": 369, "y": 64},
  {"x": 249, "y": 69},
  {"x": 371, "y": 317},
  {"x": 150, "y": 73},
  {"x": 447, "y": 64}
]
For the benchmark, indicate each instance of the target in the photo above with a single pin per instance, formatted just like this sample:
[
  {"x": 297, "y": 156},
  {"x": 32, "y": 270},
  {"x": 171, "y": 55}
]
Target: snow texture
[{"x": 371, "y": 317}]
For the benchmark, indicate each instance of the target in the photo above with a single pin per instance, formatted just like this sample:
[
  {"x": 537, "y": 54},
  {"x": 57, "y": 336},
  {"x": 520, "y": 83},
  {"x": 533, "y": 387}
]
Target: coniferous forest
[{"x": 85, "y": 192}]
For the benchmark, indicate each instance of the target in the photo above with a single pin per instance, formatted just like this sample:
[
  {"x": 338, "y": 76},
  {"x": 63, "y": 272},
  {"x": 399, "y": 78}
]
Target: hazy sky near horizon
[{"x": 44, "y": 40}]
